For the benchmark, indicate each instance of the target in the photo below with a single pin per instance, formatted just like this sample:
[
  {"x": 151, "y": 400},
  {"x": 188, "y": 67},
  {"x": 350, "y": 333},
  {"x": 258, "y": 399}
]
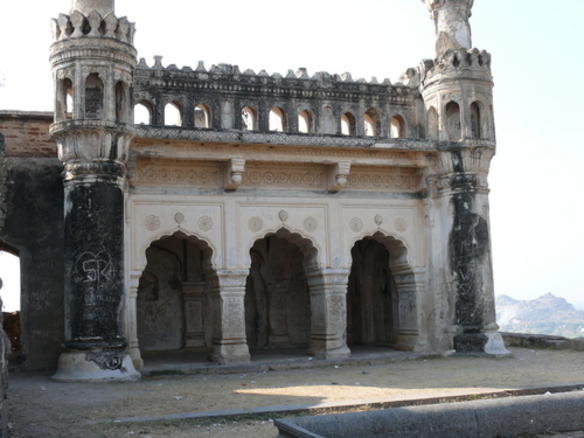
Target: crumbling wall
[{"x": 32, "y": 200}]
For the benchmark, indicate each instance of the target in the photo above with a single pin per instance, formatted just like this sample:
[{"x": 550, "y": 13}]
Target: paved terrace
[{"x": 241, "y": 404}]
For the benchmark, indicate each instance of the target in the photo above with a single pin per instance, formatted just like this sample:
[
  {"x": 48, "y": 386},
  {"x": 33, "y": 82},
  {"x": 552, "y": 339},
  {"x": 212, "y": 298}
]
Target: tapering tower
[
  {"x": 457, "y": 90},
  {"x": 93, "y": 61}
]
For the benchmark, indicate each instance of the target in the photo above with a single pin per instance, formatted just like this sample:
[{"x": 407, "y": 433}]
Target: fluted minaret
[
  {"x": 451, "y": 18},
  {"x": 457, "y": 90},
  {"x": 93, "y": 61}
]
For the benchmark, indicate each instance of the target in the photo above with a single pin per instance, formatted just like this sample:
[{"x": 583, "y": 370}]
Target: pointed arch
[
  {"x": 122, "y": 102},
  {"x": 203, "y": 116},
  {"x": 397, "y": 127},
  {"x": 453, "y": 121},
  {"x": 306, "y": 122},
  {"x": 143, "y": 113},
  {"x": 94, "y": 97},
  {"x": 173, "y": 115},
  {"x": 279, "y": 291},
  {"x": 371, "y": 123},
  {"x": 476, "y": 120},
  {"x": 64, "y": 101},
  {"x": 348, "y": 124},
  {"x": 433, "y": 124},
  {"x": 175, "y": 295},
  {"x": 249, "y": 119},
  {"x": 277, "y": 120},
  {"x": 382, "y": 298}
]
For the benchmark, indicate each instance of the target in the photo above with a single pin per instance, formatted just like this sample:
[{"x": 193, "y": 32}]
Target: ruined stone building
[{"x": 248, "y": 212}]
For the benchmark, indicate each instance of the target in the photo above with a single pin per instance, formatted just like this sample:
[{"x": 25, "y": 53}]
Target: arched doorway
[
  {"x": 277, "y": 299},
  {"x": 10, "y": 292},
  {"x": 381, "y": 310},
  {"x": 174, "y": 302}
]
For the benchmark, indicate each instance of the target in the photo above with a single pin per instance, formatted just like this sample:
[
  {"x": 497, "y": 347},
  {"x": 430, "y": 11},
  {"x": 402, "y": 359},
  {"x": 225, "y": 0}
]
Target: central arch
[
  {"x": 278, "y": 292},
  {"x": 174, "y": 298},
  {"x": 381, "y": 298}
]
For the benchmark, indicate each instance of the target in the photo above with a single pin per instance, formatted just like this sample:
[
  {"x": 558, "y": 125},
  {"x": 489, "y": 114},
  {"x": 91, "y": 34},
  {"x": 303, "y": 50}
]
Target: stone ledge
[
  {"x": 549, "y": 342},
  {"x": 485, "y": 418}
]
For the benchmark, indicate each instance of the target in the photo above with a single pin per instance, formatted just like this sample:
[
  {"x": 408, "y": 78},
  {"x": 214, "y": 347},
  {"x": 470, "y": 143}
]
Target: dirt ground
[{"x": 40, "y": 407}]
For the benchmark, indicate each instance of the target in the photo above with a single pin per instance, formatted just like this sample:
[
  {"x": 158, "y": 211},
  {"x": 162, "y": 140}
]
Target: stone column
[
  {"x": 132, "y": 320},
  {"x": 461, "y": 245},
  {"x": 93, "y": 49},
  {"x": 229, "y": 339},
  {"x": 328, "y": 303},
  {"x": 95, "y": 348}
]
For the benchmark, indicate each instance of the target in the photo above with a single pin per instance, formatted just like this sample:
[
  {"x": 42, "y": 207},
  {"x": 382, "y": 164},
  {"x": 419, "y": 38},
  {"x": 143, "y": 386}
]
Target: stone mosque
[{"x": 245, "y": 212}]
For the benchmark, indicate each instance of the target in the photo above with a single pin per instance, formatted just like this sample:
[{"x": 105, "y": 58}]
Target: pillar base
[
  {"x": 320, "y": 350},
  {"x": 225, "y": 354},
  {"x": 490, "y": 343},
  {"x": 95, "y": 366}
]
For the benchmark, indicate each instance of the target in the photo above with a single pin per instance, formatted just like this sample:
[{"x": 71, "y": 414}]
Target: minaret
[
  {"x": 93, "y": 61},
  {"x": 457, "y": 91}
]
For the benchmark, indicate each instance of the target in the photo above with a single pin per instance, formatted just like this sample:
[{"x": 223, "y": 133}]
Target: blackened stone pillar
[
  {"x": 93, "y": 61},
  {"x": 461, "y": 250}
]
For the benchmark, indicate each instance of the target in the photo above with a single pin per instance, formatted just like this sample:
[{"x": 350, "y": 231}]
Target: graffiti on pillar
[
  {"x": 106, "y": 360},
  {"x": 96, "y": 293},
  {"x": 95, "y": 268}
]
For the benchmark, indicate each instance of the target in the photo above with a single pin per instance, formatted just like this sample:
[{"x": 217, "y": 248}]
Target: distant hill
[{"x": 546, "y": 315}]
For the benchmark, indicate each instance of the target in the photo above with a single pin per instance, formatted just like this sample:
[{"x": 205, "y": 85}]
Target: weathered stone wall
[
  {"x": 26, "y": 134},
  {"x": 33, "y": 227},
  {"x": 4, "y": 342},
  {"x": 4, "y": 353}
]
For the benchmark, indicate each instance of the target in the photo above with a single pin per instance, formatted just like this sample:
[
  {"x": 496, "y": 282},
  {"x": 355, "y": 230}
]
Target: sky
[{"x": 537, "y": 205}]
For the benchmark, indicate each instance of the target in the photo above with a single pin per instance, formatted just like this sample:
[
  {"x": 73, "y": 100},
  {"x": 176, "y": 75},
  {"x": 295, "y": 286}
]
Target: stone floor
[{"x": 41, "y": 407}]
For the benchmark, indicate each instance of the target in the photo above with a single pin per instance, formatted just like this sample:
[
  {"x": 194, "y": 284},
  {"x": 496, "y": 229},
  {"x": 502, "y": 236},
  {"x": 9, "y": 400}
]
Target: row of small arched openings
[
  {"x": 453, "y": 123},
  {"x": 278, "y": 121},
  {"x": 93, "y": 105}
]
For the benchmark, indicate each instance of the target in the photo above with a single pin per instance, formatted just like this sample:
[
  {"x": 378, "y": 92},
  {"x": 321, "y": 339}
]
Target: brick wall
[{"x": 26, "y": 134}]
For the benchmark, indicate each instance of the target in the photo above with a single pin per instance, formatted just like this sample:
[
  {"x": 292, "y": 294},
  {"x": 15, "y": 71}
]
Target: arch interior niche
[
  {"x": 277, "y": 299},
  {"x": 376, "y": 295},
  {"x": 174, "y": 308},
  {"x": 453, "y": 122}
]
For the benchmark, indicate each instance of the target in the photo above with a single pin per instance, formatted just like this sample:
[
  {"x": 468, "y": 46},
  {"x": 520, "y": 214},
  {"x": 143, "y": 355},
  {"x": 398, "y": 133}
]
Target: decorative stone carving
[
  {"x": 255, "y": 224},
  {"x": 373, "y": 179},
  {"x": 179, "y": 218},
  {"x": 356, "y": 224},
  {"x": 234, "y": 173},
  {"x": 205, "y": 223},
  {"x": 152, "y": 223},
  {"x": 339, "y": 176},
  {"x": 178, "y": 173},
  {"x": 283, "y": 215},
  {"x": 310, "y": 224},
  {"x": 274, "y": 175},
  {"x": 378, "y": 219}
]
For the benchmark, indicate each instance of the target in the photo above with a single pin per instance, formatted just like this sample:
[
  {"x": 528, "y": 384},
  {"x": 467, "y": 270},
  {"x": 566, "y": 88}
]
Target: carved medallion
[
  {"x": 255, "y": 224},
  {"x": 400, "y": 224},
  {"x": 179, "y": 218},
  {"x": 152, "y": 222},
  {"x": 310, "y": 224},
  {"x": 283, "y": 215},
  {"x": 205, "y": 223},
  {"x": 378, "y": 219},
  {"x": 356, "y": 224}
]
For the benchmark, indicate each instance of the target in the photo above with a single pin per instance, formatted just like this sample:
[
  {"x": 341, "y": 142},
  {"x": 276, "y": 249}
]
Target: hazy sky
[{"x": 537, "y": 202}]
